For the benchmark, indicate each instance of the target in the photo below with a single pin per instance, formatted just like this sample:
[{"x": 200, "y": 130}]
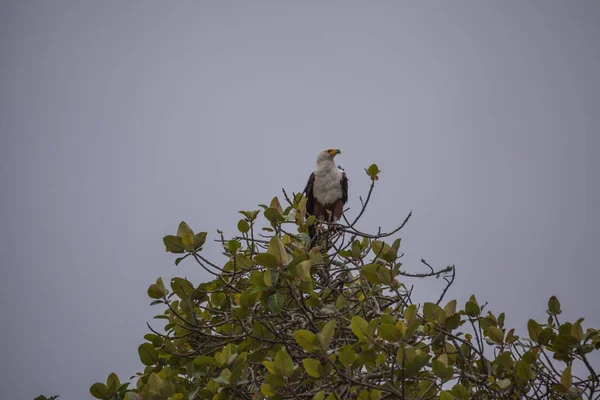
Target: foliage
[{"x": 281, "y": 320}]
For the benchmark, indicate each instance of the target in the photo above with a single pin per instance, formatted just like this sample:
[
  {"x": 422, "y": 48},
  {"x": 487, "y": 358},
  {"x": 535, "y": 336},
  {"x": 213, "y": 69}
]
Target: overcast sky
[{"x": 119, "y": 119}]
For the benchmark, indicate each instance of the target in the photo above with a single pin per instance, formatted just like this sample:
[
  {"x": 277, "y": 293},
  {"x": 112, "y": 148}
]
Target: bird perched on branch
[{"x": 327, "y": 190}]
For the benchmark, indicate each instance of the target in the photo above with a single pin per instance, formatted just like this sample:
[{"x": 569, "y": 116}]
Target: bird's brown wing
[
  {"x": 344, "y": 183},
  {"x": 338, "y": 206},
  {"x": 308, "y": 192}
]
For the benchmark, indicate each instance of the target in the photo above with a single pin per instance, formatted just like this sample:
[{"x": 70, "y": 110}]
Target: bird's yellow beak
[{"x": 333, "y": 152}]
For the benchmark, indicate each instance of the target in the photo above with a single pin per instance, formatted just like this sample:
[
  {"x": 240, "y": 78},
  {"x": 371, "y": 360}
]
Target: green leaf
[
  {"x": 113, "y": 383},
  {"x": 268, "y": 390},
  {"x": 179, "y": 259},
  {"x": 530, "y": 357},
  {"x": 305, "y": 339},
  {"x": 311, "y": 366},
  {"x": 417, "y": 363},
  {"x": 243, "y": 226},
  {"x": 379, "y": 248},
  {"x": 186, "y": 235},
  {"x": 243, "y": 261},
  {"x": 148, "y": 354},
  {"x": 267, "y": 260},
  {"x": 377, "y": 274},
  {"x": 319, "y": 396},
  {"x": 369, "y": 272},
  {"x": 389, "y": 332},
  {"x": 505, "y": 360},
  {"x": 405, "y": 332},
  {"x": 372, "y": 327},
  {"x": 546, "y": 336},
  {"x": 277, "y": 249},
  {"x": 276, "y": 381},
  {"x": 320, "y": 343},
  {"x": 204, "y": 360},
  {"x": 534, "y": 330},
  {"x": 384, "y": 250},
  {"x": 327, "y": 332},
  {"x": 385, "y": 275},
  {"x": 270, "y": 365},
  {"x": 275, "y": 303},
  {"x": 271, "y": 277},
  {"x": 238, "y": 367},
  {"x": 226, "y": 356},
  {"x": 554, "y": 306},
  {"x": 396, "y": 245},
  {"x": 442, "y": 371},
  {"x": 356, "y": 249},
  {"x": 303, "y": 270},
  {"x": 503, "y": 383},
  {"x": 450, "y": 308},
  {"x": 373, "y": 170},
  {"x": 346, "y": 355},
  {"x": 452, "y": 322},
  {"x": 247, "y": 299},
  {"x": 565, "y": 329},
  {"x": 283, "y": 365},
  {"x": 261, "y": 331},
  {"x": 433, "y": 312},
  {"x": 566, "y": 378},
  {"x": 367, "y": 357},
  {"x": 524, "y": 371},
  {"x": 410, "y": 313},
  {"x": 184, "y": 230},
  {"x": 495, "y": 334},
  {"x": 199, "y": 240},
  {"x": 251, "y": 215},
  {"x": 257, "y": 279},
  {"x": 472, "y": 309},
  {"x": 182, "y": 288},
  {"x": 233, "y": 246},
  {"x": 559, "y": 389},
  {"x": 460, "y": 392},
  {"x": 445, "y": 395},
  {"x": 99, "y": 390},
  {"x": 359, "y": 327},
  {"x": 405, "y": 354},
  {"x": 156, "y": 291},
  {"x": 510, "y": 336},
  {"x": 174, "y": 244},
  {"x": 276, "y": 205},
  {"x": 577, "y": 330}
]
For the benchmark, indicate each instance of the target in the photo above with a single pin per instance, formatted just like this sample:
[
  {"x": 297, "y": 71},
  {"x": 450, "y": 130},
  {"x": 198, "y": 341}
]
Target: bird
[{"x": 326, "y": 190}]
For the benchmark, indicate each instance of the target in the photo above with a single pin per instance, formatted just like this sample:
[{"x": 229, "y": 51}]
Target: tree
[{"x": 281, "y": 320}]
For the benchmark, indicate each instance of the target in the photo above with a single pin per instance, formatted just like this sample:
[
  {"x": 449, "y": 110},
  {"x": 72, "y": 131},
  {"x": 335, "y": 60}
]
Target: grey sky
[{"x": 119, "y": 119}]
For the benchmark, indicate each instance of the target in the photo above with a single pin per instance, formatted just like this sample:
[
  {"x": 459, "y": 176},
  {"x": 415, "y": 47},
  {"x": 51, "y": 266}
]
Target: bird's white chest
[{"x": 327, "y": 187}]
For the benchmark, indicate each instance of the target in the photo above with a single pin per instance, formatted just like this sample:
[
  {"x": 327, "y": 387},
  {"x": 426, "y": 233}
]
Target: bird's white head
[{"x": 327, "y": 155}]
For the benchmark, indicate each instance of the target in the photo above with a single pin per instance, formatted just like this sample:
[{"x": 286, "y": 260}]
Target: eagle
[{"x": 327, "y": 189}]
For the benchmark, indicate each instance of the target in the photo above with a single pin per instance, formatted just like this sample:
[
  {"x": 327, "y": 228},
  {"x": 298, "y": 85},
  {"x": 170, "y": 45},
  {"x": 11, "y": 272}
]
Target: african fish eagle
[{"x": 327, "y": 188}]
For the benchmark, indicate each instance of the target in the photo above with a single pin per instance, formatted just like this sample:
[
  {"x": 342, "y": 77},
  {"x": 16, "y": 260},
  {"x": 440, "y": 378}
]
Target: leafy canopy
[{"x": 283, "y": 320}]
